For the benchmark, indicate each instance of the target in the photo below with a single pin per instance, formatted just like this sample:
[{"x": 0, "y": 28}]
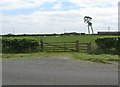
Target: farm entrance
[{"x": 64, "y": 46}]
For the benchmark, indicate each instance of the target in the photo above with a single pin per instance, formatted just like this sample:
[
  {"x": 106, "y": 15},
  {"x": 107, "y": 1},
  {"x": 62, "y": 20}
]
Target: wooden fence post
[
  {"x": 42, "y": 45},
  {"x": 54, "y": 47},
  {"x": 64, "y": 46},
  {"x": 77, "y": 46}
]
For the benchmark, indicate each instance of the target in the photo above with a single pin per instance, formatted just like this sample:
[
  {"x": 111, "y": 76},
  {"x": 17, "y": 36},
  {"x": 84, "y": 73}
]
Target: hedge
[
  {"x": 109, "y": 44},
  {"x": 10, "y": 45}
]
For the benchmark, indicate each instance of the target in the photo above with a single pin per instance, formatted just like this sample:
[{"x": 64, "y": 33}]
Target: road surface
[{"x": 57, "y": 71}]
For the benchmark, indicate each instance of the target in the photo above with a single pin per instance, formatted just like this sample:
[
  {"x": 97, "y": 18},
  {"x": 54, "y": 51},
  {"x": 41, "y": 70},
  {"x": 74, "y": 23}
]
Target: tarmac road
[{"x": 57, "y": 71}]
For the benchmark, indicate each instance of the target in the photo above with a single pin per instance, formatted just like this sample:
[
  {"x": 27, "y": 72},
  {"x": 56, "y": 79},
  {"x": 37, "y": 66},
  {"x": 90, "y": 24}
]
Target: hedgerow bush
[
  {"x": 108, "y": 45},
  {"x": 12, "y": 45},
  {"x": 92, "y": 48}
]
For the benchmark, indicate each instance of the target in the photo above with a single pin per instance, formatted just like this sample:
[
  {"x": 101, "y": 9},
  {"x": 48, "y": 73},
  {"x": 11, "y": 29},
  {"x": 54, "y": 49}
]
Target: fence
[{"x": 65, "y": 46}]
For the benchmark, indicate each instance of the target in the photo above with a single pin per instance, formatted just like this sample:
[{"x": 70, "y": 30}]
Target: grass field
[{"x": 82, "y": 38}]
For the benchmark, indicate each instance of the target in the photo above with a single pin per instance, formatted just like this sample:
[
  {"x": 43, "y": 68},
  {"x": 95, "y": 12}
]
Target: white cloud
[
  {"x": 91, "y": 3},
  {"x": 14, "y": 4},
  {"x": 18, "y": 4},
  {"x": 57, "y": 21},
  {"x": 57, "y": 6}
]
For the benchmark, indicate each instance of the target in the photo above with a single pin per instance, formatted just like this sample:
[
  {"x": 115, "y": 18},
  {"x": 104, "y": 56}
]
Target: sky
[{"x": 57, "y": 16}]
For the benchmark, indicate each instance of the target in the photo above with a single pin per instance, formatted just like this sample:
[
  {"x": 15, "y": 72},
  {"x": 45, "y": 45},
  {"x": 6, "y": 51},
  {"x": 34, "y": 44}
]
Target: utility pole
[
  {"x": 13, "y": 31},
  {"x": 64, "y": 30},
  {"x": 108, "y": 29}
]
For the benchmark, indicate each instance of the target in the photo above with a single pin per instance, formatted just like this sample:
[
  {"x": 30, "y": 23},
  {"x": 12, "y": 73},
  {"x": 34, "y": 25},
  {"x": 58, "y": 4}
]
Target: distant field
[{"x": 82, "y": 38}]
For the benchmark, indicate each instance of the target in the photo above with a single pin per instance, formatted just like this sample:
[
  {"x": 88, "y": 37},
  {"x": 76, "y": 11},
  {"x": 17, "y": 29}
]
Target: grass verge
[{"x": 104, "y": 58}]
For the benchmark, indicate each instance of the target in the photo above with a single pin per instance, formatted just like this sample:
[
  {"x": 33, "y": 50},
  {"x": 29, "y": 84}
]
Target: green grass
[
  {"x": 82, "y": 38},
  {"x": 35, "y": 55},
  {"x": 104, "y": 58}
]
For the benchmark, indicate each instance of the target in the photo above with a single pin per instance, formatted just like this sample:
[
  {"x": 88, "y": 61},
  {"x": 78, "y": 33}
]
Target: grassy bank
[{"x": 104, "y": 58}]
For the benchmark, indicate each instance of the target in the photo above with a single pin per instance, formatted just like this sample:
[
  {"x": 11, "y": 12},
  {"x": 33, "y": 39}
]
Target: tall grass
[{"x": 104, "y": 58}]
